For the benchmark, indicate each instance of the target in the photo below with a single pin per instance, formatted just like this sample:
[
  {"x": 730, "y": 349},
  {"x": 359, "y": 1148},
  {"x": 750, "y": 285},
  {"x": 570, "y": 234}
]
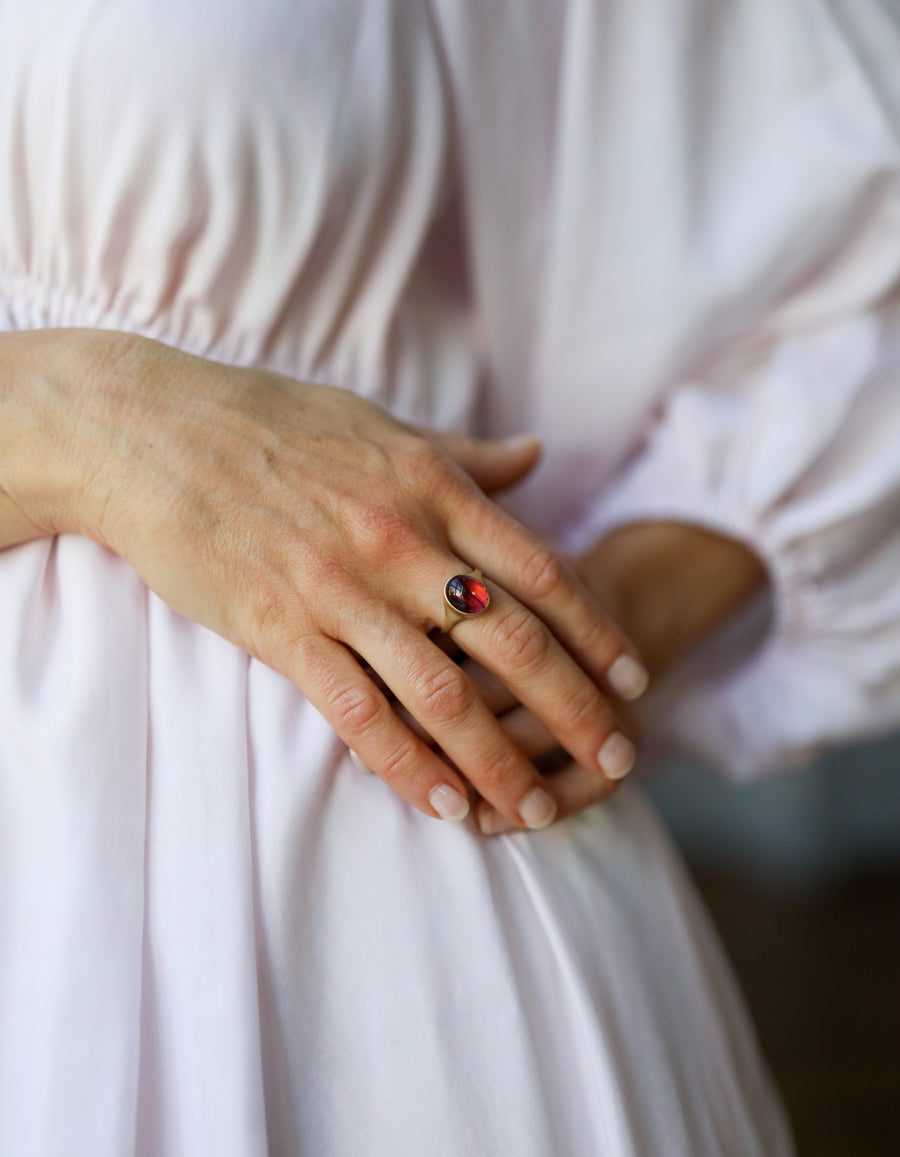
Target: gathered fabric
[{"x": 665, "y": 237}]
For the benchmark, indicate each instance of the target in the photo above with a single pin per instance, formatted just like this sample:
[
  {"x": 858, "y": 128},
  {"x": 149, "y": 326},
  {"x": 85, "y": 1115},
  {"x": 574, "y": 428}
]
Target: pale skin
[
  {"x": 313, "y": 530},
  {"x": 669, "y": 585}
]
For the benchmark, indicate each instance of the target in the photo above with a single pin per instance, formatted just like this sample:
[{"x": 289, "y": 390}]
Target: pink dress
[{"x": 668, "y": 237}]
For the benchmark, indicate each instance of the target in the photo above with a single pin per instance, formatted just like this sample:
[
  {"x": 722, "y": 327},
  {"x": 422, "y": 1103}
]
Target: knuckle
[
  {"x": 423, "y": 459},
  {"x": 399, "y": 764},
  {"x": 275, "y": 634},
  {"x": 521, "y": 640},
  {"x": 378, "y": 529},
  {"x": 446, "y": 694},
  {"x": 597, "y": 637},
  {"x": 582, "y": 711},
  {"x": 499, "y": 774},
  {"x": 356, "y": 710},
  {"x": 543, "y": 574},
  {"x": 595, "y": 633},
  {"x": 429, "y": 470}
]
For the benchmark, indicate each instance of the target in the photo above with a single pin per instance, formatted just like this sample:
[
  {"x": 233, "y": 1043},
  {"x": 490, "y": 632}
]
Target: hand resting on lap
[
  {"x": 313, "y": 530},
  {"x": 669, "y": 585}
]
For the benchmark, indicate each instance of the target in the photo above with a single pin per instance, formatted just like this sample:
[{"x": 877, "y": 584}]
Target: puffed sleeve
[
  {"x": 794, "y": 448},
  {"x": 641, "y": 191}
]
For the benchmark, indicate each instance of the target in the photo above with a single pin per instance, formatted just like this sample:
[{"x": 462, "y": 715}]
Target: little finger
[
  {"x": 336, "y": 684},
  {"x": 444, "y": 702},
  {"x": 574, "y": 789}
]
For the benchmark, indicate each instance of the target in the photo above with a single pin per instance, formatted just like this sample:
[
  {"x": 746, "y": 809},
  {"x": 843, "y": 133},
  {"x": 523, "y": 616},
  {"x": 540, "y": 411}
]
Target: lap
[{"x": 217, "y": 935}]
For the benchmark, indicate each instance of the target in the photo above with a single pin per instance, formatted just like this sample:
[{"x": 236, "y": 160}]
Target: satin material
[{"x": 216, "y": 935}]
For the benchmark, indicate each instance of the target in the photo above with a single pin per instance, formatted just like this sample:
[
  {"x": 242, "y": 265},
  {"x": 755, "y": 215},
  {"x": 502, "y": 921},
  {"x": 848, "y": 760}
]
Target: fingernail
[
  {"x": 357, "y": 762},
  {"x": 628, "y": 677},
  {"x": 538, "y": 809},
  {"x": 520, "y": 441},
  {"x": 617, "y": 756},
  {"x": 492, "y": 823},
  {"x": 448, "y": 803}
]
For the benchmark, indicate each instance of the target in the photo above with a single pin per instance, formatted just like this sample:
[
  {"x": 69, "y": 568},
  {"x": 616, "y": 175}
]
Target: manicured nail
[
  {"x": 357, "y": 762},
  {"x": 538, "y": 809},
  {"x": 448, "y": 803},
  {"x": 628, "y": 677},
  {"x": 519, "y": 441},
  {"x": 492, "y": 823},
  {"x": 617, "y": 756}
]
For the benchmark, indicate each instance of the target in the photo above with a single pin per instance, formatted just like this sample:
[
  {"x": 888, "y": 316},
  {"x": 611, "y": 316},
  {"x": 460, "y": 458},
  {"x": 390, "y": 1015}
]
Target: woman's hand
[
  {"x": 314, "y": 531},
  {"x": 669, "y": 585},
  {"x": 574, "y": 786}
]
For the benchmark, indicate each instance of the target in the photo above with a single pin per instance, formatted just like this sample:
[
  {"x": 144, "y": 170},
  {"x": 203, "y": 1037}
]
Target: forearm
[{"x": 669, "y": 585}]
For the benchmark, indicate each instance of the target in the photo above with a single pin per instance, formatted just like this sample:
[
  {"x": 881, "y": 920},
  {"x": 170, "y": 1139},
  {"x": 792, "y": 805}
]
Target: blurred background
[{"x": 802, "y": 876}]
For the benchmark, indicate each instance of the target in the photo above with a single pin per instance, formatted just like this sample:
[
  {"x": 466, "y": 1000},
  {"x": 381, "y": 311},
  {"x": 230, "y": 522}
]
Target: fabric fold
[{"x": 792, "y": 447}]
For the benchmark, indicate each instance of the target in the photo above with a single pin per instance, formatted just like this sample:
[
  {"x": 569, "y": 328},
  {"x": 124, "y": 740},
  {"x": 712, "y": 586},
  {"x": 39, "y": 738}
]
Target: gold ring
[{"x": 465, "y": 596}]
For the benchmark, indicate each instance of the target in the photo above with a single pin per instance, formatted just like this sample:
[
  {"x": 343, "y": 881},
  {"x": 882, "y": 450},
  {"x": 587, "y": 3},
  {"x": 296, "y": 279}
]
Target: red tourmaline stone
[{"x": 467, "y": 595}]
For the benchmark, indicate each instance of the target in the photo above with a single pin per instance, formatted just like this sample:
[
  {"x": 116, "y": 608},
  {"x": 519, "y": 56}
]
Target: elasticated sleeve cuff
[{"x": 795, "y": 451}]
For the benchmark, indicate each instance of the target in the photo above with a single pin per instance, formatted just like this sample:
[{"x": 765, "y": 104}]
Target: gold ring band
[{"x": 465, "y": 596}]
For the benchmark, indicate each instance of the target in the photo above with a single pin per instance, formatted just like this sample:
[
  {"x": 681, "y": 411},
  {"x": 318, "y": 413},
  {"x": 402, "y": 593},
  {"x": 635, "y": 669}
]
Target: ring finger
[{"x": 520, "y": 650}]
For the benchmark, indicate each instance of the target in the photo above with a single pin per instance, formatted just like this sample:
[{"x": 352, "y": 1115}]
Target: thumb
[{"x": 493, "y": 463}]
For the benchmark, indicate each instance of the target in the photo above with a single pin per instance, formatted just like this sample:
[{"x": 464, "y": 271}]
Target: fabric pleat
[{"x": 667, "y": 241}]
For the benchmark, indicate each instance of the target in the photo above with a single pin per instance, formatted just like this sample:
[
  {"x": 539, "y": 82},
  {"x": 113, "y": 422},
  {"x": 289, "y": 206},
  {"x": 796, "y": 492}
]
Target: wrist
[{"x": 670, "y": 585}]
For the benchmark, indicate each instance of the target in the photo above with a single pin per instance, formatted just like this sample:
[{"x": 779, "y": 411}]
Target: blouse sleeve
[{"x": 793, "y": 448}]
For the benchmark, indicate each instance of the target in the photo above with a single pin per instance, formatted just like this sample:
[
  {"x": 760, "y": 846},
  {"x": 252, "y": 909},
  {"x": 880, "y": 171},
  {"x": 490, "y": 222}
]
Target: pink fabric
[
  {"x": 681, "y": 243},
  {"x": 793, "y": 447}
]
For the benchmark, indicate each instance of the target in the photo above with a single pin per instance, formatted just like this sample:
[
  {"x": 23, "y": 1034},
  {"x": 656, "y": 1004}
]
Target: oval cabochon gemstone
[{"x": 467, "y": 595}]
